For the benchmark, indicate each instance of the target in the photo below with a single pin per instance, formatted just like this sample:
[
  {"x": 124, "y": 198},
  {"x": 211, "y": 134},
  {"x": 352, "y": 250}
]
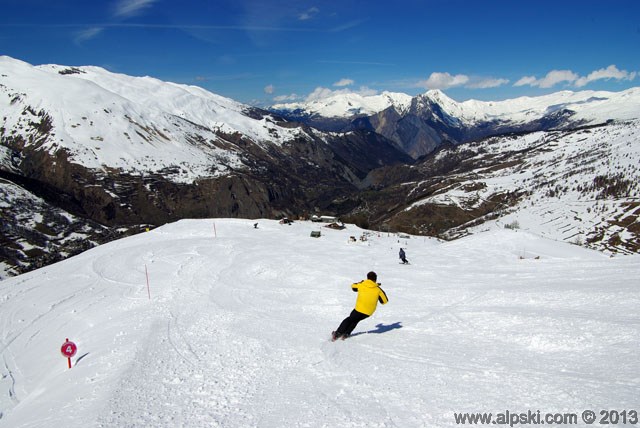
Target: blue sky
[{"x": 265, "y": 51}]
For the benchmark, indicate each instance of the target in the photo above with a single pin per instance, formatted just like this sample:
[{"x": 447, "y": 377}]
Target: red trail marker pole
[
  {"x": 146, "y": 272},
  {"x": 68, "y": 350}
]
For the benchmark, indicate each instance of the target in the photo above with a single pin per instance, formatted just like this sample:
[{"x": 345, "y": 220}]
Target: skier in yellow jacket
[{"x": 369, "y": 294}]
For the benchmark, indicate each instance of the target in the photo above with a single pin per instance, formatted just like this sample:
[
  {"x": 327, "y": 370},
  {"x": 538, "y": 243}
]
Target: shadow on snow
[{"x": 381, "y": 328}]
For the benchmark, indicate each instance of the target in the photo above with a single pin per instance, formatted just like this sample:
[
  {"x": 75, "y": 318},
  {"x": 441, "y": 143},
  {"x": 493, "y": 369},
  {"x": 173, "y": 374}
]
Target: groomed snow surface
[{"x": 236, "y": 330}]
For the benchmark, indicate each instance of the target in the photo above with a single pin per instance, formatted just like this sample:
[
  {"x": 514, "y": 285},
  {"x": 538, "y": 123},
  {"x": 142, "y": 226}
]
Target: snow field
[{"x": 236, "y": 333}]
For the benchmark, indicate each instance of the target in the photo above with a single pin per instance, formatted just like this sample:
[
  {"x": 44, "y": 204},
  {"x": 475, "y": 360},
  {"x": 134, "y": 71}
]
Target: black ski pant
[{"x": 350, "y": 322}]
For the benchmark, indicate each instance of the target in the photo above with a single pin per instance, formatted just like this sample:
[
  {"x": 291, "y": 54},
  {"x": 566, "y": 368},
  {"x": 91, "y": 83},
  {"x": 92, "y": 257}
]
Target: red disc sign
[{"x": 69, "y": 349}]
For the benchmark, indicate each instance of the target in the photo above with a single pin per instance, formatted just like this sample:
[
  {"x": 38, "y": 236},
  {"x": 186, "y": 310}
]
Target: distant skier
[
  {"x": 369, "y": 294},
  {"x": 403, "y": 257}
]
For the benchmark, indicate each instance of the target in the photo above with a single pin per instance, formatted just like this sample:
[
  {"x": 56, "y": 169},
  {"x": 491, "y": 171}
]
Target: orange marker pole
[{"x": 147, "y": 274}]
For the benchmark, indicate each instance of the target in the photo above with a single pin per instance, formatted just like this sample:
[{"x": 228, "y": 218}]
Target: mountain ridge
[
  {"x": 433, "y": 118},
  {"x": 470, "y": 110}
]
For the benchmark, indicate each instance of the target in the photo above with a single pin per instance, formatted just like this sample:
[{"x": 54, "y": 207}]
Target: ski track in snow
[{"x": 236, "y": 333}]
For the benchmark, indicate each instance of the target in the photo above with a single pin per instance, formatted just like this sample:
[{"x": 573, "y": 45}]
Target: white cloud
[
  {"x": 344, "y": 82},
  {"x": 290, "y": 97},
  {"x": 555, "y": 77},
  {"x": 552, "y": 78},
  {"x": 366, "y": 92},
  {"x": 88, "y": 34},
  {"x": 487, "y": 83},
  {"x": 610, "y": 72},
  {"x": 308, "y": 14},
  {"x": 321, "y": 93},
  {"x": 526, "y": 80},
  {"x": 128, "y": 8},
  {"x": 443, "y": 81},
  {"x": 269, "y": 89}
]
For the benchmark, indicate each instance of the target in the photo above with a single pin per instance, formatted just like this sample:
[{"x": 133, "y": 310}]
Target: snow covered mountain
[
  {"x": 337, "y": 112},
  {"x": 348, "y": 105},
  {"x": 128, "y": 151},
  {"x": 421, "y": 124},
  {"x": 135, "y": 124},
  {"x": 580, "y": 186},
  {"x": 232, "y": 330},
  {"x": 87, "y": 156},
  {"x": 588, "y": 107}
]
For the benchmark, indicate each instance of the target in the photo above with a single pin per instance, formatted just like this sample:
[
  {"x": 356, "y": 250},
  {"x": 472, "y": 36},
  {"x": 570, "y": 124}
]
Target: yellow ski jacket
[{"x": 369, "y": 294}]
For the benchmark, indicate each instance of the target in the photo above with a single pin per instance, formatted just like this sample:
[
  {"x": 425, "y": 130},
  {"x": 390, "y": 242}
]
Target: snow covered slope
[
  {"x": 234, "y": 330},
  {"x": 136, "y": 124},
  {"x": 580, "y": 186},
  {"x": 589, "y": 106},
  {"x": 35, "y": 233}
]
